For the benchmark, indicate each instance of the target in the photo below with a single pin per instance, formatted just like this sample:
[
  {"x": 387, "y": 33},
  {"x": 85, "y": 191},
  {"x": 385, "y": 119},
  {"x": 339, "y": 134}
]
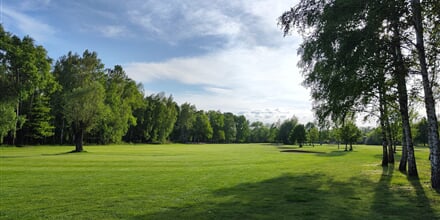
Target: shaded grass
[{"x": 248, "y": 181}]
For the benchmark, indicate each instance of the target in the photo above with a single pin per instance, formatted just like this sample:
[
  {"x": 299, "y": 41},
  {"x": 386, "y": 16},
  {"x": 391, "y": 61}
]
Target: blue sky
[{"x": 219, "y": 55}]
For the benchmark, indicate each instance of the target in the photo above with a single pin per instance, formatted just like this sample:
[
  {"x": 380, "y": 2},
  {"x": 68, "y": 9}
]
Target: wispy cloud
[
  {"x": 113, "y": 31},
  {"x": 253, "y": 73},
  {"x": 234, "y": 79},
  {"x": 237, "y": 22},
  {"x": 39, "y": 30}
]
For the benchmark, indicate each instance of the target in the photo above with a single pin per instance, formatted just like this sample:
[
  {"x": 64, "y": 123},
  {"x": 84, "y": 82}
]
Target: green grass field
[{"x": 249, "y": 181}]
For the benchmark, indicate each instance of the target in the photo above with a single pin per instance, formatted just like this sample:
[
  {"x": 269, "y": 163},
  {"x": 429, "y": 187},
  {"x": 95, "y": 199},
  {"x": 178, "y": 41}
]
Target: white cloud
[
  {"x": 237, "y": 22},
  {"x": 38, "y": 30},
  {"x": 253, "y": 74},
  {"x": 113, "y": 31},
  {"x": 236, "y": 80}
]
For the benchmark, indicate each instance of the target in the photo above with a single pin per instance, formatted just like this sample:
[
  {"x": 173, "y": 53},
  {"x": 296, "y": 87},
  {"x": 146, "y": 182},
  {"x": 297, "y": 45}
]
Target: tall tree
[
  {"x": 185, "y": 123},
  {"x": 259, "y": 133},
  {"x": 242, "y": 127},
  {"x": 84, "y": 110},
  {"x": 217, "y": 121},
  {"x": 298, "y": 135},
  {"x": 229, "y": 127},
  {"x": 122, "y": 96},
  {"x": 285, "y": 130},
  {"x": 350, "y": 133},
  {"x": 433, "y": 132},
  {"x": 25, "y": 77},
  {"x": 80, "y": 104},
  {"x": 202, "y": 130}
]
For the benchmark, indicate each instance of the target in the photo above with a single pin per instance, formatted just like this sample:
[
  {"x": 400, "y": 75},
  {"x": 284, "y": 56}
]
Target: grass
[{"x": 248, "y": 181}]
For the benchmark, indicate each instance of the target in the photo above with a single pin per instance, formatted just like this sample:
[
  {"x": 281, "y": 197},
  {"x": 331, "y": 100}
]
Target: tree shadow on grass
[
  {"x": 65, "y": 153},
  {"x": 335, "y": 153},
  {"x": 307, "y": 196},
  {"x": 393, "y": 200}
]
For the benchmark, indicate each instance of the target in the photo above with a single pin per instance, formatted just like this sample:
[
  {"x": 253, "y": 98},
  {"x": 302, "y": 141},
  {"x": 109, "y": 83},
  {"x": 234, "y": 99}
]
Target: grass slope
[{"x": 249, "y": 181}]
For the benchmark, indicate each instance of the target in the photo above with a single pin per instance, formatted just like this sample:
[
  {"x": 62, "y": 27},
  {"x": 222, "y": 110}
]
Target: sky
[{"x": 218, "y": 55}]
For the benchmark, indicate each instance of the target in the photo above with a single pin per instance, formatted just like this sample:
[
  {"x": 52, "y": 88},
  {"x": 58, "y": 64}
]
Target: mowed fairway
[{"x": 249, "y": 181}]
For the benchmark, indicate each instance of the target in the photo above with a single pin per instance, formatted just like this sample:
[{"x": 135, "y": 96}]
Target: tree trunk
[
  {"x": 400, "y": 74},
  {"x": 389, "y": 140},
  {"x": 404, "y": 158},
  {"x": 403, "y": 107},
  {"x": 79, "y": 133},
  {"x": 384, "y": 152},
  {"x": 433, "y": 135},
  {"x": 382, "y": 125}
]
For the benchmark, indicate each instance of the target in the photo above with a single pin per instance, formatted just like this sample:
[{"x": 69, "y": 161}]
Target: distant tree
[
  {"x": 422, "y": 132},
  {"x": 285, "y": 130},
  {"x": 202, "y": 130},
  {"x": 313, "y": 135},
  {"x": 374, "y": 137},
  {"x": 122, "y": 96},
  {"x": 159, "y": 118},
  {"x": 217, "y": 121},
  {"x": 242, "y": 127},
  {"x": 229, "y": 127},
  {"x": 185, "y": 123},
  {"x": 259, "y": 132},
  {"x": 350, "y": 133},
  {"x": 273, "y": 133},
  {"x": 298, "y": 135}
]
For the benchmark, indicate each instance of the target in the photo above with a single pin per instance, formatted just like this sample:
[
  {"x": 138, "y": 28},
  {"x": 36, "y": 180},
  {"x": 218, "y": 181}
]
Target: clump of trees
[{"x": 359, "y": 56}]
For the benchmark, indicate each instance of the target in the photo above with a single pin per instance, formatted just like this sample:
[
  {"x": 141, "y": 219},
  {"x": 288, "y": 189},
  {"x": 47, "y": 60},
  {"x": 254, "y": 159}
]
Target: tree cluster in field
[{"x": 374, "y": 57}]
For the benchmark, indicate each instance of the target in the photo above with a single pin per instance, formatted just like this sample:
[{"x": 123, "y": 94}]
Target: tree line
[
  {"x": 363, "y": 56},
  {"x": 77, "y": 99}
]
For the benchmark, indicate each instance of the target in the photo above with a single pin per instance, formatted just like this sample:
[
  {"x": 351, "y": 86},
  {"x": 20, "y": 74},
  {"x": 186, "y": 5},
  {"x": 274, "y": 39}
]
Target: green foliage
[
  {"x": 39, "y": 120},
  {"x": 24, "y": 77},
  {"x": 185, "y": 123},
  {"x": 229, "y": 128},
  {"x": 286, "y": 129},
  {"x": 421, "y": 135},
  {"x": 157, "y": 118},
  {"x": 85, "y": 106},
  {"x": 7, "y": 119},
  {"x": 242, "y": 127},
  {"x": 123, "y": 96},
  {"x": 202, "y": 131},
  {"x": 298, "y": 135},
  {"x": 259, "y": 133},
  {"x": 217, "y": 121},
  {"x": 374, "y": 137},
  {"x": 350, "y": 134},
  {"x": 312, "y": 135}
]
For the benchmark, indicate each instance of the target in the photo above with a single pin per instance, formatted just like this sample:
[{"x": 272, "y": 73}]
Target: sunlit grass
[{"x": 247, "y": 181}]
